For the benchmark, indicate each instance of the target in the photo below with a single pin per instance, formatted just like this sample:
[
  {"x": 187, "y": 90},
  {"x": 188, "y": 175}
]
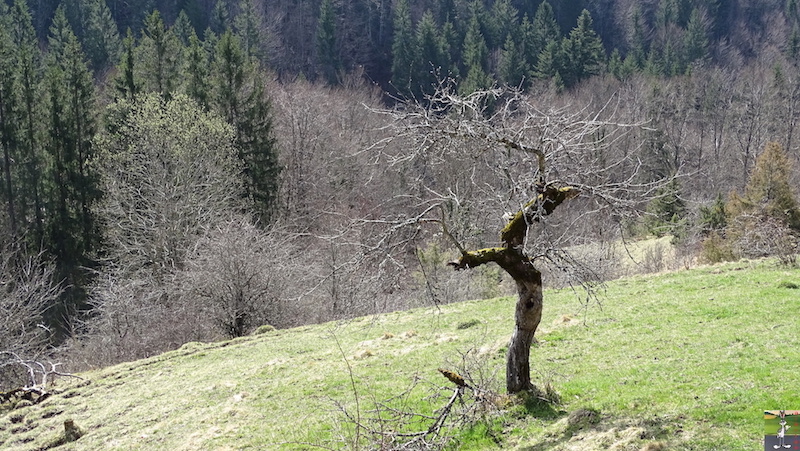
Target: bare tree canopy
[{"x": 497, "y": 151}]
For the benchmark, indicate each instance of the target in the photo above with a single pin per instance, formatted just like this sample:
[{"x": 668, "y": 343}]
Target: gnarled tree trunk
[{"x": 513, "y": 259}]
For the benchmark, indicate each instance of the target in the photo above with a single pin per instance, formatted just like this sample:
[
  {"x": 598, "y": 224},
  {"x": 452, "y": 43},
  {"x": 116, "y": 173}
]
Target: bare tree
[
  {"x": 27, "y": 287},
  {"x": 237, "y": 273},
  {"x": 500, "y": 149}
]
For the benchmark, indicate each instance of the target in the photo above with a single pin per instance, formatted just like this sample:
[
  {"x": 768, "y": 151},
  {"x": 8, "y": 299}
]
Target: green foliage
[
  {"x": 583, "y": 52},
  {"x": 667, "y": 211},
  {"x": 696, "y": 39},
  {"x": 474, "y": 57},
  {"x": 404, "y": 50},
  {"x": 72, "y": 182},
  {"x": 714, "y": 217},
  {"x": 159, "y": 57},
  {"x": 239, "y": 96},
  {"x": 433, "y": 59},
  {"x": 126, "y": 83},
  {"x": 327, "y": 50},
  {"x": 248, "y": 26}
]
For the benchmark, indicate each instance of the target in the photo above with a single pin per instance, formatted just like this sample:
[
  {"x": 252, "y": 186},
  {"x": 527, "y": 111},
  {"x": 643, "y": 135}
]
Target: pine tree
[
  {"x": 512, "y": 69},
  {"x": 127, "y": 83},
  {"x": 328, "y": 59},
  {"x": 503, "y": 20},
  {"x": 475, "y": 55},
  {"x": 220, "y": 18},
  {"x": 583, "y": 51},
  {"x": 240, "y": 98},
  {"x": 197, "y": 71},
  {"x": 8, "y": 108},
  {"x": 433, "y": 59},
  {"x": 545, "y": 28},
  {"x": 28, "y": 76},
  {"x": 696, "y": 38},
  {"x": 159, "y": 56},
  {"x": 248, "y": 25},
  {"x": 183, "y": 28},
  {"x": 72, "y": 185},
  {"x": 404, "y": 50}
]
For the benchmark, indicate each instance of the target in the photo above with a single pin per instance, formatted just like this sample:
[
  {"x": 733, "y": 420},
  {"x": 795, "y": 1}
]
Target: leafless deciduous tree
[
  {"x": 237, "y": 274},
  {"x": 499, "y": 148},
  {"x": 27, "y": 288}
]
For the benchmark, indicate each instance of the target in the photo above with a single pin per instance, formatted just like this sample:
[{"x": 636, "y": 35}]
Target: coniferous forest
[{"x": 176, "y": 171}]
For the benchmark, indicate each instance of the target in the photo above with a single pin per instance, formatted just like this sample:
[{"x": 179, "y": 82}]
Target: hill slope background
[{"x": 684, "y": 360}]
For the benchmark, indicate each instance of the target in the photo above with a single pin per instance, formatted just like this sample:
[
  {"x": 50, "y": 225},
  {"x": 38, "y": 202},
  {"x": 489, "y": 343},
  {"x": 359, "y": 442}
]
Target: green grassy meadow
[{"x": 688, "y": 360}]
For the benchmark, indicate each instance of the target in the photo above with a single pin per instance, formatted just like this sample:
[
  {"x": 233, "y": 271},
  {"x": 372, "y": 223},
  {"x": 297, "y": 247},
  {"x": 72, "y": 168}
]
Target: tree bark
[{"x": 512, "y": 258}]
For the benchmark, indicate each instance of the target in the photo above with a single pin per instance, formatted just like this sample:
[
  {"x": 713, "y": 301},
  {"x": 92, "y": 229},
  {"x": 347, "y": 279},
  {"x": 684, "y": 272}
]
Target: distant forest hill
[{"x": 405, "y": 46}]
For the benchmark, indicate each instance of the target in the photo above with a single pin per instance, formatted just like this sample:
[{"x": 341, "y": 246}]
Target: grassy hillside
[{"x": 685, "y": 360}]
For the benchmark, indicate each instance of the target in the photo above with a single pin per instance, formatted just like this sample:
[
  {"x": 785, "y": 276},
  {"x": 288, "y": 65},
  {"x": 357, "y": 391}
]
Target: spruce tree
[
  {"x": 240, "y": 98},
  {"x": 512, "y": 69},
  {"x": 127, "y": 82},
  {"x": 328, "y": 59},
  {"x": 404, "y": 50},
  {"x": 248, "y": 26},
  {"x": 583, "y": 51},
  {"x": 433, "y": 60},
  {"x": 31, "y": 162},
  {"x": 475, "y": 55},
  {"x": 8, "y": 125},
  {"x": 72, "y": 185},
  {"x": 159, "y": 57},
  {"x": 769, "y": 192},
  {"x": 197, "y": 71},
  {"x": 696, "y": 38}
]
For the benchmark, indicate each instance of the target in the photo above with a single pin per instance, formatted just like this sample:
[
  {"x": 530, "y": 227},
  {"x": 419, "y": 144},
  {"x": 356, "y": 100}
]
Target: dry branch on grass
[{"x": 40, "y": 374}]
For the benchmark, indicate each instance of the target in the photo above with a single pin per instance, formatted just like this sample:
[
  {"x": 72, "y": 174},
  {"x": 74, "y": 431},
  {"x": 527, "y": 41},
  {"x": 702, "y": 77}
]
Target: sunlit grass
[{"x": 686, "y": 360}]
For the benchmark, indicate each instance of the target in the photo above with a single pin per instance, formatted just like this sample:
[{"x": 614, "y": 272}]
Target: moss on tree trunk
[{"x": 513, "y": 259}]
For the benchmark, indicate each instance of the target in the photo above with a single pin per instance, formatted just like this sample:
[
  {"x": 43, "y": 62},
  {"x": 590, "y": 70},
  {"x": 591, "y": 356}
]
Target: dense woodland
[{"x": 192, "y": 170}]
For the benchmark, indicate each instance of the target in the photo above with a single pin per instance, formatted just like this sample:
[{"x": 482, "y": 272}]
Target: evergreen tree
[
  {"x": 769, "y": 191},
  {"x": 127, "y": 83},
  {"x": 583, "y": 51},
  {"x": 404, "y": 50},
  {"x": 72, "y": 185},
  {"x": 512, "y": 69},
  {"x": 28, "y": 76},
  {"x": 159, "y": 57},
  {"x": 248, "y": 25},
  {"x": 183, "y": 29},
  {"x": 8, "y": 125},
  {"x": 502, "y": 21},
  {"x": 696, "y": 38},
  {"x": 551, "y": 61},
  {"x": 328, "y": 59},
  {"x": 637, "y": 55},
  {"x": 220, "y": 18},
  {"x": 197, "y": 85},
  {"x": 667, "y": 211},
  {"x": 475, "y": 55},
  {"x": 102, "y": 43},
  {"x": 433, "y": 58},
  {"x": 240, "y": 98},
  {"x": 545, "y": 28}
]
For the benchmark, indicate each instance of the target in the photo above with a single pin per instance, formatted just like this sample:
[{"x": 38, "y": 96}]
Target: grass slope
[{"x": 686, "y": 360}]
